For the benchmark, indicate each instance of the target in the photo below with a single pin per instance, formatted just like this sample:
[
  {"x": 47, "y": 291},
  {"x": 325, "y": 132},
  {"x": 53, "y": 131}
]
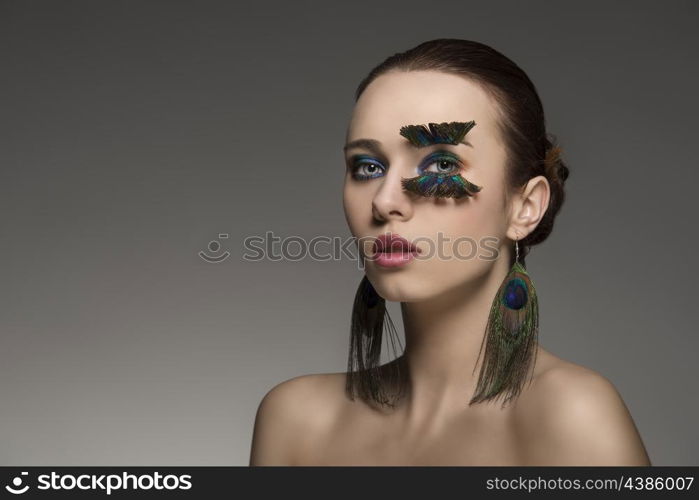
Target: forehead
[{"x": 396, "y": 99}]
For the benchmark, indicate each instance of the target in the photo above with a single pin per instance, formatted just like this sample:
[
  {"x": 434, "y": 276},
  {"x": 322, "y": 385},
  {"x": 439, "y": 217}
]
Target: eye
[
  {"x": 364, "y": 167},
  {"x": 441, "y": 163}
]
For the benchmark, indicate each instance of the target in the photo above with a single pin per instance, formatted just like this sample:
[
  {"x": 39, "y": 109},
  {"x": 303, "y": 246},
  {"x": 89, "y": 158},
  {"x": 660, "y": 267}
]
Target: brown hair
[{"x": 531, "y": 151}]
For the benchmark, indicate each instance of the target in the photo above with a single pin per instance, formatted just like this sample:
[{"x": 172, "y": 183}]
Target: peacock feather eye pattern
[
  {"x": 436, "y": 133},
  {"x": 511, "y": 336},
  {"x": 451, "y": 185}
]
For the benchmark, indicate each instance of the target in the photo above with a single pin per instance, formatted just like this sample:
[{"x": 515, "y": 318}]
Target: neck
[{"x": 443, "y": 339}]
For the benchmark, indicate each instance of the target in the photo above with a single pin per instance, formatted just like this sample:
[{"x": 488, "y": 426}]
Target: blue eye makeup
[
  {"x": 439, "y": 175},
  {"x": 364, "y": 167},
  {"x": 440, "y": 158},
  {"x": 437, "y": 182},
  {"x": 440, "y": 183}
]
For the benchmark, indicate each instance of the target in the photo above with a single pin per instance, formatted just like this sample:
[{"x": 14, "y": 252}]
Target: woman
[{"x": 447, "y": 143}]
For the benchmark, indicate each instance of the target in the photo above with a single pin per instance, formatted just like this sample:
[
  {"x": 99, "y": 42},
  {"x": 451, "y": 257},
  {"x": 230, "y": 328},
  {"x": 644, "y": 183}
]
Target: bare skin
[{"x": 567, "y": 415}]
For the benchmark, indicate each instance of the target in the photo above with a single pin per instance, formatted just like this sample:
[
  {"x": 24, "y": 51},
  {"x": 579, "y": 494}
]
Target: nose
[{"x": 391, "y": 201}]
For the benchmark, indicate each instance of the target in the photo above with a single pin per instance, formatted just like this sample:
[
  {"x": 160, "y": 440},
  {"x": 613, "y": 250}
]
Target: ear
[{"x": 528, "y": 207}]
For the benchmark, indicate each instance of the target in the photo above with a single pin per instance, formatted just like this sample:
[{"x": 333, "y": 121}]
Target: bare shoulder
[
  {"x": 291, "y": 414},
  {"x": 573, "y": 415}
]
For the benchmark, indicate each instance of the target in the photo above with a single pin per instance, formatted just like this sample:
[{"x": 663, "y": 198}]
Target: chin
[{"x": 402, "y": 289}]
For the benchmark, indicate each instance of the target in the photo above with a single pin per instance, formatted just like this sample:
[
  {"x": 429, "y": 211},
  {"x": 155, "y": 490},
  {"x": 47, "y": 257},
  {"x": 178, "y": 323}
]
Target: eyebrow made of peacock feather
[{"x": 437, "y": 133}]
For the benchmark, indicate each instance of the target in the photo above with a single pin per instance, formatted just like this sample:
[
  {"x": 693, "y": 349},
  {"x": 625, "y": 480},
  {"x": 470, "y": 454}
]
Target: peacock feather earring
[{"x": 510, "y": 338}]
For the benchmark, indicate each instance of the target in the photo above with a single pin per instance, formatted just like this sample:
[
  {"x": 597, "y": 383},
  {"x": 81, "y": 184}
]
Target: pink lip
[
  {"x": 393, "y": 259},
  {"x": 392, "y": 250}
]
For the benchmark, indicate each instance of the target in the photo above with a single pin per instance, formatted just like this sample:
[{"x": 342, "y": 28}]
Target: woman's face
[{"x": 379, "y": 204}]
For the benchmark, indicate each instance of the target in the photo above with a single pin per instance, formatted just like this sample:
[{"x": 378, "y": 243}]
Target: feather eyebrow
[
  {"x": 421, "y": 136},
  {"x": 437, "y": 133}
]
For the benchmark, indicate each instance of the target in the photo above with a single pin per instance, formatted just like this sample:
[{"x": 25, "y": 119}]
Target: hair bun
[{"x": 554, "y": 167}]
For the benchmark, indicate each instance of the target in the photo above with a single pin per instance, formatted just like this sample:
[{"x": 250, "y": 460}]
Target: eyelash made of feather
[{"x": 449, "y": 185}]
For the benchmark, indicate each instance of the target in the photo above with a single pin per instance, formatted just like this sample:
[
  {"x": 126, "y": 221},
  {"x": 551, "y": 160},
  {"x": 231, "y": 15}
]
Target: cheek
[
  {"x": 485, "y": 215},
  {"x": 468, "y": 253},
  {"x": 480, "y": 220},
  {"x": 357, "y": 206},
  {"x": 466, "y": 229}
]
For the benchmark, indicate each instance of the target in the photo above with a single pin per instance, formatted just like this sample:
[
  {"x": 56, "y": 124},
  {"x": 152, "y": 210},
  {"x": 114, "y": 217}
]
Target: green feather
[{"x": 510, "y": 343}]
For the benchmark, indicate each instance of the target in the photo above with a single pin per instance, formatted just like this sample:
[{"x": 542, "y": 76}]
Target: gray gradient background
[{"x": 133, "y": 133}]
